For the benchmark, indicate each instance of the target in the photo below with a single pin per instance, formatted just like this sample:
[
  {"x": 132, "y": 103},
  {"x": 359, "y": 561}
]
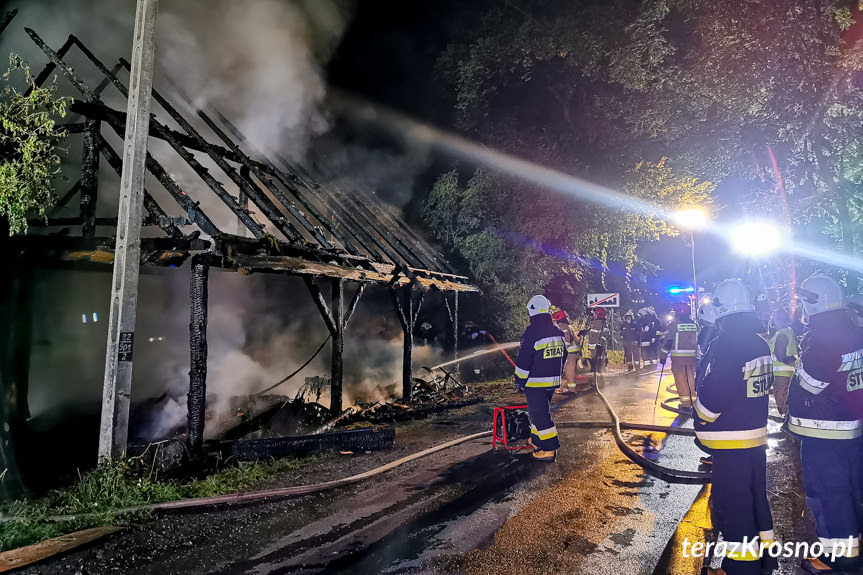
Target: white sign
[{"x": 603, "y": 300}]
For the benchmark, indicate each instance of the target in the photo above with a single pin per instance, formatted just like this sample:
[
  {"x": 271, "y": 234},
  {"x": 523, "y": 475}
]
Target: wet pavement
[{"x": 471, "y": 510}]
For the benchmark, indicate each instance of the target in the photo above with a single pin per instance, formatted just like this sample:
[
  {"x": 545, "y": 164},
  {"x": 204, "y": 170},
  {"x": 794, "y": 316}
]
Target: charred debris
[{"x": 287, "y": 222}]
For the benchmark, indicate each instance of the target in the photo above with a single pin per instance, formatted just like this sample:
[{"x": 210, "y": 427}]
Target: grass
[{"x": 116, "y": 485}]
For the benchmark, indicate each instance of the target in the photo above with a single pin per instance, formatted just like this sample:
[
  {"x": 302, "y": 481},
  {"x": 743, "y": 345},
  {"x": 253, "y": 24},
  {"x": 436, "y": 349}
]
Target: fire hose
[
  {"x": 275, "y": 493},
  {"x": 653, "y": 468}
]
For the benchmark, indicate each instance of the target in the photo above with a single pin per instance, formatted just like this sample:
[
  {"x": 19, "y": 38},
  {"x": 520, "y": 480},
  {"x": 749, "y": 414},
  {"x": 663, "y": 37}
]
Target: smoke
[{"x": 257, "y": 61}]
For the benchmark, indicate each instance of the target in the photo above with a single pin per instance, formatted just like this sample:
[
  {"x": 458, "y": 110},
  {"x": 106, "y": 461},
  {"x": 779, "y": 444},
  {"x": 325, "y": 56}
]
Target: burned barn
[{"x": 249, "y": 212}]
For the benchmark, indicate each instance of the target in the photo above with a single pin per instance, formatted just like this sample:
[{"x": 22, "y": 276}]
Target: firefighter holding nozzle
[{"x": 537, "y": 375}]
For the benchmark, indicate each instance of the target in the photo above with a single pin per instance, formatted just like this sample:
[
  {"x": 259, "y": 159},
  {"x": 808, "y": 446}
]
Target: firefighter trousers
[
  {"x": 543, "y": 433},
  {"x": 832, "y": 482},
  {"x": 740, "y": 508},
  {"x": 683, "y": 370}
]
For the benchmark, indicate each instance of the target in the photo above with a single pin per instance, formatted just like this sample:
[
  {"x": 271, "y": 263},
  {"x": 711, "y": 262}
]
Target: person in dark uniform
[
  {"x": 629, "y": 333},
  {"x": 731, "y": 424},
  {"x": 824, "y": 412},
  {"x": 538, "y": 373}
]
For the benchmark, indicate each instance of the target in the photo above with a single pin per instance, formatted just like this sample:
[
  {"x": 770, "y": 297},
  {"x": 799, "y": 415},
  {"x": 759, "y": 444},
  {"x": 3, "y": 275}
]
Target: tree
[
  {"x": 29, "y": 137},
  {"x": 518, "y": 241}
]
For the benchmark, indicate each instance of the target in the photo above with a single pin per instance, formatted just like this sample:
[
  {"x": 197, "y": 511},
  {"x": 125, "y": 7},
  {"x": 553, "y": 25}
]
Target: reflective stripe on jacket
[
  {"x": 791, "y": 350},
  {"x": 733, "y": 397},
  {"x": 682, "y": 339},
  {"x": 541, "y": 355}
]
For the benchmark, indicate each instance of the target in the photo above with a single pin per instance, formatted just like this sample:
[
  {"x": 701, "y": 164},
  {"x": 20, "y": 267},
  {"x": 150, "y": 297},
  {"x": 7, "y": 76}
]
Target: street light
[
  {"x": 755, "y": 238},
  {"x": 691, "y": 219}
]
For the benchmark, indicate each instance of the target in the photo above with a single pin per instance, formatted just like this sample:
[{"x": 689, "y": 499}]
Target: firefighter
[
  {"x": 854, "y": 303},
  {"x": 706, "y": 330},
  {"x": 573, "y": 348},
  {"x": 783, "y": 347},
  {"x": 682, "y": 342},
  {"x": 658, "y": 334},
  {"x": 824, "y": 413},
  {"x": 629, "y": 333},
  {"x": 537, "y": 374},
  {"x": 597, "y": 342},
  {"x": 731, "y": 424},
  {"x": 646, "y": 334}
]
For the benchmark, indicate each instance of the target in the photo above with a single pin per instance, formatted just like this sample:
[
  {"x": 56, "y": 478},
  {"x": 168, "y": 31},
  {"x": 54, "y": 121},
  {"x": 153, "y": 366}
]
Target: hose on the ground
[
  {"x": 279, "y": 492},
  {"x": 296, "y": 371},
  {"x": 653, "y": 468}
]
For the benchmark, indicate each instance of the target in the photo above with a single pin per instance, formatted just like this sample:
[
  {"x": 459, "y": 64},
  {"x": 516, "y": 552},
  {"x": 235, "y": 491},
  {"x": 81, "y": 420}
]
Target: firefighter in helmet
[
  {"x": 854, "y": 303},
  {"x": 573, "y": 348},
  {"x": 682, "y": 341},
  {"x": 731, "y": 424},
  {"x": 824, "y": 413},
  {"x": 537, "y": 374}
]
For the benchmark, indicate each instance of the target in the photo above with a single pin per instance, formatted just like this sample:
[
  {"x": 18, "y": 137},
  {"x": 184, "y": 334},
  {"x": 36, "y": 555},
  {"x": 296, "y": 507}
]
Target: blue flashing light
[
  {"x": 676, "y": 290},
  {"x": 95, "y": 317}
]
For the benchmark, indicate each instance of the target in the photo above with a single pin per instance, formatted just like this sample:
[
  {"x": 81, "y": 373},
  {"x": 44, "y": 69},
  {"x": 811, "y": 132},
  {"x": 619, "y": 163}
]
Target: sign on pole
[{"x": 603, "y": 300}]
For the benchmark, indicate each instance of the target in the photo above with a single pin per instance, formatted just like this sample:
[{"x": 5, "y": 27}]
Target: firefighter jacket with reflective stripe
[
  {"x": 682, "y": 338},
  {"x": 780, "y": 368},
  {"x": 542, "y": 353},
  {"x": 731, "y": 409},
  {"x": 596, "y": 335},
  {"x": 573, "y": 342},
  {"x": 649, "y": 328},
  {"x": 826, "y": 392}
]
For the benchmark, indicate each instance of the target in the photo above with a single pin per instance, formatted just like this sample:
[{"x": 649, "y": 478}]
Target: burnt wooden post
[
  {"x": 337, "y": 317},
  {"x": 453, "y": 317},
  {"x": 90, "y": 177},
  {"x": 197, "y": 398},
  {"x": 407, "y": 313}
]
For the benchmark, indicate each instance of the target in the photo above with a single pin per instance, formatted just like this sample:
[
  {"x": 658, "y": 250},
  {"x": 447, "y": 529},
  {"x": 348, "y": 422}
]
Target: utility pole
[{"x": 113, "y": 432}]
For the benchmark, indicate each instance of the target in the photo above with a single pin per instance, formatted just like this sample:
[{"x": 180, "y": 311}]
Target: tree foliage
[
  {"x": 607, "y": 90},
  {"x": 29, "y": 137},
  {"x": 518, "y": 241}
]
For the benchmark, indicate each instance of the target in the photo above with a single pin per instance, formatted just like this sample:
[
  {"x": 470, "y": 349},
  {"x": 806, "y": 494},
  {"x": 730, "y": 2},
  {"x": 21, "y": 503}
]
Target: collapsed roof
[{"x": 286, "y": 220}]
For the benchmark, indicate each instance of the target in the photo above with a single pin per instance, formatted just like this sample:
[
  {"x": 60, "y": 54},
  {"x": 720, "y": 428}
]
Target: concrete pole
[{"x": 117, "y": 390}]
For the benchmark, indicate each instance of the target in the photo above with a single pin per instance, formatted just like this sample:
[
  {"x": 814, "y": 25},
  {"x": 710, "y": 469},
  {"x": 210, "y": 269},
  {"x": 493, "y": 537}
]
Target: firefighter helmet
[
  {"x": 643, "y": 312},
  {"x": 557, "y": 314},
  {"x": 854, "y": 303},
  {"x": 628, "y": 314},
  {"x": 599, "y": 313},
  {"x": 820, "y": 293},
  {"x": 538, "y": 304},
  {"x": 706, "y": 314},
  {"x": 732, "y": 296}
]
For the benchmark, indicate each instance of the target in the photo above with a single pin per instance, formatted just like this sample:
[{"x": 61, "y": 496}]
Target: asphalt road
[
  {"x": 481, "y": 511},
  {"x": 468, "y": 509}
]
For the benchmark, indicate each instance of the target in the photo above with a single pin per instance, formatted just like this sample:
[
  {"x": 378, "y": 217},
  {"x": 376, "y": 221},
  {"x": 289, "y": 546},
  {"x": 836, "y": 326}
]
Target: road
[
  {"x": 469, "y": 510},
  {"x": 492, "y": 513}
]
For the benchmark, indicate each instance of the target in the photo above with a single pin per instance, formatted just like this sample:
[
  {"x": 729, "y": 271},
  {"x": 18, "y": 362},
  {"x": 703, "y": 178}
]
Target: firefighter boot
[{"x": 548, "y": 456}]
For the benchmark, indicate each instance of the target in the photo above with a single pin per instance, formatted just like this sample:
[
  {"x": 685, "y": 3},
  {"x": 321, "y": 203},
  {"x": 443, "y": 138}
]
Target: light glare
[
  {"x": 755, "y": 238},
  {"x": 692, "y": 219}
]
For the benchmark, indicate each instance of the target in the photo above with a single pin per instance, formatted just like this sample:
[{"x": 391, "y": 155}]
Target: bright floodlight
[
  {"x": 692, "y": 219},
  {"x": 755, "y": 238}
]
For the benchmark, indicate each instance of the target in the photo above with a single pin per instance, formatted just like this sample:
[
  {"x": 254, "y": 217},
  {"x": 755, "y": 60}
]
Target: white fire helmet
[
  {"x": 854, "y": 303},
  {"x": 643, "y": 312},
  {"x": 538, "y": 304},
  {"x": 732, "y": 296},
  {"x": 820, "y": 293},
  {"x": 706, "y": 314}
]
